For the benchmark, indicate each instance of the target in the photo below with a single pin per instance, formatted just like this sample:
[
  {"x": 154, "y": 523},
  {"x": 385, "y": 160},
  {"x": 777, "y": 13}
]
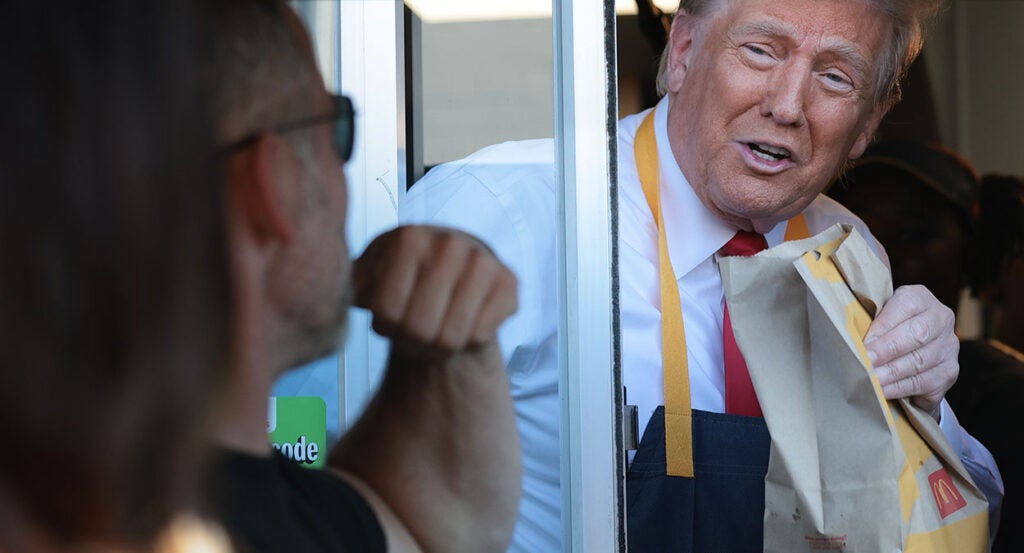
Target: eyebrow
[
  {"x": 852, "y": 56},
  {"x": 767, "y": 28},
  {"x": 774, "y": 29}
]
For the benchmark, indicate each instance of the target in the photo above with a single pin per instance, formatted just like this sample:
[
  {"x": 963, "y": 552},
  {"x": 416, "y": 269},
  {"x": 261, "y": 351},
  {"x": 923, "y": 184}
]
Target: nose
[{"x": 785, "y": 95}]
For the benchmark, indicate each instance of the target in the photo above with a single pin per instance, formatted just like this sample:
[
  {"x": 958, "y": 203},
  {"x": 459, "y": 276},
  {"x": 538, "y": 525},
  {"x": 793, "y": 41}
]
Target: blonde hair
[{"x": 909, "y": 19}]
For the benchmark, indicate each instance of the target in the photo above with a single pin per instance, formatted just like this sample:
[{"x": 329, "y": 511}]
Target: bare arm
[{"x": 438, "y": 443}]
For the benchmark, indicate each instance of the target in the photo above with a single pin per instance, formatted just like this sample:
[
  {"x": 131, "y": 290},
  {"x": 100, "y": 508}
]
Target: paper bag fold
[{"x": 848, "y": 471}]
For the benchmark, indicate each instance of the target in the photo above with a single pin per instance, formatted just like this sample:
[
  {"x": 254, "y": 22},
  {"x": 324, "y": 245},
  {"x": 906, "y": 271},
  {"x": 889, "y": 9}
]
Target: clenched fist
[{"x": 434, "y": 287}]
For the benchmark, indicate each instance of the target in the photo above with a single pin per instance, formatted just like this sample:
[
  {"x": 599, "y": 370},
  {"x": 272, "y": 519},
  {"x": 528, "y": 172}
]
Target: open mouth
[{"x": 768, "y": 152}]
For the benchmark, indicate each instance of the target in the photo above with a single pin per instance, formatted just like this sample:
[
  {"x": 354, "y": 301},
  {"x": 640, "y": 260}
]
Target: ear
[
  {"x": 680, "y": 50},
  {"x": 868, "y": 132},
  {"x": 254, "y": 176}
]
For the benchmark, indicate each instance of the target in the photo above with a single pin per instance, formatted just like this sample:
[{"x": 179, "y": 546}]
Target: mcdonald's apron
[
  {"x": 720, "y": 509},
  {"x": 718, "y": 506}
]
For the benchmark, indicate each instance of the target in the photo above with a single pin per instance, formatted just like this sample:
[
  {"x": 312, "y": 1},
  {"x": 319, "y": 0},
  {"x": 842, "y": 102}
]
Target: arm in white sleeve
[{"x": 979, "y": 464}]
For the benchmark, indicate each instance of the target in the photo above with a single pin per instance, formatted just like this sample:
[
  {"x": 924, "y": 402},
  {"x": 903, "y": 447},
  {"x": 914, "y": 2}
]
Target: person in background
[
  {"x": 764, "y": 103},
  {"x": 115, "y": 300},
  {"x": 433, "y": 464},
  {"x": 1000, "y": 270},
  {"x": 945, "y": 230}
]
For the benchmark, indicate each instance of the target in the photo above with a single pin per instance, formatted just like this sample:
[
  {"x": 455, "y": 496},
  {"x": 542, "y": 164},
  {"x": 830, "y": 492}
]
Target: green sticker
[{"x": 298, "y": 428}]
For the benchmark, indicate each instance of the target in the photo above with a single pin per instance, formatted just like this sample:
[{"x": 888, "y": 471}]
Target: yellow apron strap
[
  {"x": 675, "y": 369},
  {"x": 796, "y": 229},
  {"x": 678, "y": 415}
]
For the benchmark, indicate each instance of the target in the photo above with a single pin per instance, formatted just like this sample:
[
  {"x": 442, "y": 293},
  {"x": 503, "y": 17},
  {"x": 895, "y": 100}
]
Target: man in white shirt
[{"x": 764, "y": 103}]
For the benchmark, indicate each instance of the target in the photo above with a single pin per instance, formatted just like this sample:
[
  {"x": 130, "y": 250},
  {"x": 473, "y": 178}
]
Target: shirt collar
[{"x": 694, "y": 233}]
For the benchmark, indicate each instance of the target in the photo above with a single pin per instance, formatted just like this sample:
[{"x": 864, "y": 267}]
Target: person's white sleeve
[
  {"x": 978, "y": 461},
  {"x": 506, "y": 195}
]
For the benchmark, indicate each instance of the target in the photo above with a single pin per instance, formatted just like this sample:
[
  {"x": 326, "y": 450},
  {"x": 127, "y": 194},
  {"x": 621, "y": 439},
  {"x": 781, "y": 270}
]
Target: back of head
[
  {"x": 920, "y": 201},
  {"x": 943, "y": 171},
  {"x": 258, "y": 74},
  {"x": 113, "y": 278}
]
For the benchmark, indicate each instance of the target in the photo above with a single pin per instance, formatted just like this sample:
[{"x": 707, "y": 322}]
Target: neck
[{"x": 241, "y": 417}]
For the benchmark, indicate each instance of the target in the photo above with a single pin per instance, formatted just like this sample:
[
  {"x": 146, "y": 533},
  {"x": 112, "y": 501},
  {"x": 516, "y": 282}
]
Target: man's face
[
  {"x": 311, "y": 280},
  {"x": 768, "y": 99}
]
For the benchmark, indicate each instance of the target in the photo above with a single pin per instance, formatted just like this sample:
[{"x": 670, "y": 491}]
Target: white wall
[
  {"x": 994, "y": 80},
  {"x": 485, "y": 82},
  {"x": 976, "y": 59}
]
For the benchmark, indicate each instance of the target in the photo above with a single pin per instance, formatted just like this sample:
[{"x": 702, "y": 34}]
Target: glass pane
[{"x": 485, "y": 98}]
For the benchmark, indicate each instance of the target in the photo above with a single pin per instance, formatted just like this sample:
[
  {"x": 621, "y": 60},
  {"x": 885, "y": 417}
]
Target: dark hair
[
  {"x": 258, "y": 73},
  {"x": 943, "y": 171},
  {"x": 115, "y": 303},
  {"x": 1000, "y": 228}
]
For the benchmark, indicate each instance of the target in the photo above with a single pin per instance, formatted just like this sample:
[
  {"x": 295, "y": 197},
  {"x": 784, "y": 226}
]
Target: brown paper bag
[{"x": 849, "y": 471}]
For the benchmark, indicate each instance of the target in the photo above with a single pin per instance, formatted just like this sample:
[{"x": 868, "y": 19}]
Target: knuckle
[
  {"x": 892, "y": 348},
  {"x": 448, "y": 339},
  {"x": 952, "y": 375},
  {"x": 948, "y": 316},
  {"x": 952, "y": 370},
  {"x": 481, "y": 264},
  {"x": 408, "y": 240},
  {"x": 385, "y": 315},
  {"x": 916, "y": 383},
  {"x": 509, "y": 281},
  {"x": 919, "y": 332},
  {"x": 508, "y": 287},
  {"x": 918, "y": 361},
  {"x": 894, "y": 374},
  {"x": 420, "y": 331}
]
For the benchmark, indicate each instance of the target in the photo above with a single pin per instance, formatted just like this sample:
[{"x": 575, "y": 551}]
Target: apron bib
[{"x": 696, "y": 484}]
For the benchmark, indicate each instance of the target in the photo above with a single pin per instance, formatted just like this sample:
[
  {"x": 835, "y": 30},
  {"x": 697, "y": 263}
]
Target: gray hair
[
  {"x": 909, "y": 19},
  {"x": 258, "y": 74}
]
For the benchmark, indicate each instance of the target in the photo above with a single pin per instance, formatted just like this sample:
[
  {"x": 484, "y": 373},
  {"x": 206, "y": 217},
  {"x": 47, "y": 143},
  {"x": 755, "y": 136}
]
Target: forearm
[{"x": 439, "y": 445}]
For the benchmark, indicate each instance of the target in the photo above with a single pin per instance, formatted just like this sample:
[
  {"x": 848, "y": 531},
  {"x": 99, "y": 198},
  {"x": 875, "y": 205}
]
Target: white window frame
[
  {"x": 371, "y": 62},
  {"x": 593, "y": 466},
  {"x": 372, "y": 74}
]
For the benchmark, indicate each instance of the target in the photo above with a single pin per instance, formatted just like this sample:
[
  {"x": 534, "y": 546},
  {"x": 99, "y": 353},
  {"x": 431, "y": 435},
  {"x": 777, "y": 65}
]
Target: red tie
[{"x": 740, "y": 398}]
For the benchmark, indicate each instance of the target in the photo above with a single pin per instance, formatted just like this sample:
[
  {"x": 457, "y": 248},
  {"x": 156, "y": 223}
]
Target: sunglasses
[{"x": 343, "y": 137}]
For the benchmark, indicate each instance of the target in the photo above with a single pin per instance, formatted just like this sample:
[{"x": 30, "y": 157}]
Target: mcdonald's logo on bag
[{"x": 947, "y": 497}]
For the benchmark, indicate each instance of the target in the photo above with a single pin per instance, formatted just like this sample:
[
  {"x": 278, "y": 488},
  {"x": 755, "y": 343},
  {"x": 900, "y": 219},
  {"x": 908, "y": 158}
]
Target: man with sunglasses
[{"x": 434, "y": 462}]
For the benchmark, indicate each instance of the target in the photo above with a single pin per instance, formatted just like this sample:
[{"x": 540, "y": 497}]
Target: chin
[{"x": 320, "y": 342}]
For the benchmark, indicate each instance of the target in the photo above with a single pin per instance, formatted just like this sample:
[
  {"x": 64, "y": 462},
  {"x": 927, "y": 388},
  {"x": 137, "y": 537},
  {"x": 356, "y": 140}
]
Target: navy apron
[{"x": 721, "y": 509}]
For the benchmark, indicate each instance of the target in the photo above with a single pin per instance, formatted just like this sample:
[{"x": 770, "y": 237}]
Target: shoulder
[
  {"x": 502, "y": 172},
  {"x": 636, "y": 224},
  {"x": 628, "y": 127},
  {"x": 509, "y": 187},
  {"x": 305, "y": 505}
]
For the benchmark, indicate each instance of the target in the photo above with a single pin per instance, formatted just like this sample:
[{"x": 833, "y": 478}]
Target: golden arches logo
[
  {"x": 945, "y": 493},
  {"x": 947, "y": 497}
]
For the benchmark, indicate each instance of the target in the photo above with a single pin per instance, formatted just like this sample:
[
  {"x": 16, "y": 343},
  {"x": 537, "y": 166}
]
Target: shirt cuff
[{"x": 950, "y": 426}]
